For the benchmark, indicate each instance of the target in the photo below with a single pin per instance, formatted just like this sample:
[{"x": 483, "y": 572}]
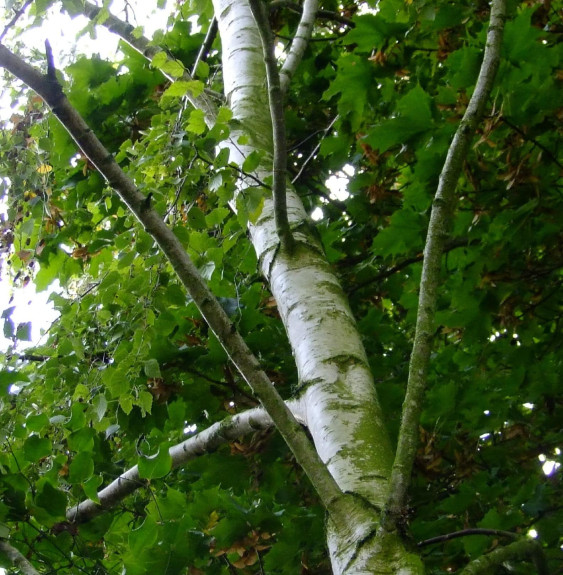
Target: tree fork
[{"x": 235, "y": 346}]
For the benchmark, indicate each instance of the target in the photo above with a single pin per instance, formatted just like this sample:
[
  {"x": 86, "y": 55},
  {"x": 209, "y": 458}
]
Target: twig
[
  {"x": 466, "y": 532},
  {"x": 299, "y": 44},
  {"x": 438, "y": 229},
  {"x": 278, "y": 125},
  {"x": 16, "y": 17},
  {"x": 533, "y": 141},
  {"x": 315, "y": 149},
  {"x": 17, "y": 559},
  {"x": 452, "y": 245}
]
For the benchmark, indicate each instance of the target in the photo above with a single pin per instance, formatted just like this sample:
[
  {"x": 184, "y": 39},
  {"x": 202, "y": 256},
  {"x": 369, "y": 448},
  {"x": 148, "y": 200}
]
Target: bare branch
[
  {"x": 524, "y": 549},
  {"x": 299, "y": 44},
  {"x": 465, "y": 533},
  {"x": 438, "y": 230},
  {"x": 448, "y": 247},
  {"x": 17, "y": 559},
  {"x": 219, "y": 322},
  {"x": 315, "y": 150},
  {"x": 278, "y": 125},
  {"x": 207, "y": 441}
]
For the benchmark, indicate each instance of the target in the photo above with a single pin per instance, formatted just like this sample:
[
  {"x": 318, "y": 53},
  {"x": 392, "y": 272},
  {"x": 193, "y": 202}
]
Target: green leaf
[
  {"x": 51, "y": 500},
  {"x": 9, "y": 378},
  {"x": 155, "y": 466},
  {"x": 173, "y": 68},
  {"x": 36, "y": 422},
  {"x": 181, "y": 88},
  {"x": 126, "y": 403},
  {"x": 413, "y": 117},
  {"x": 81, "y": 467},
  {"x": 91, "y": 487},
  {"x": 152, "y": 369},
  {"x": 196, "y": 123},
  {"x": 144, "y": 537},
  {"x": 35, "y": 448},
  {"x": 251, "y": 162}
]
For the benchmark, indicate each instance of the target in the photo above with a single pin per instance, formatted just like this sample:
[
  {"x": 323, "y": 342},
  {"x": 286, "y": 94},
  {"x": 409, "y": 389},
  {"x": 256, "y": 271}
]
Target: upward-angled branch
[
  {"x": 438, "y": 230},
  {"x": 278, "y": 125},
  {"x": 299, "y": 44},
  {"x": 211, "y": 310},
  {"x": 17, "y": 559}
]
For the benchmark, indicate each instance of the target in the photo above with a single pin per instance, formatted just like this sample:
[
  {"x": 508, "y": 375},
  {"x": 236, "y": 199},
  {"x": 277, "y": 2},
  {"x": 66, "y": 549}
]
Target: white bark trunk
[{"x": 338, "y": 396}]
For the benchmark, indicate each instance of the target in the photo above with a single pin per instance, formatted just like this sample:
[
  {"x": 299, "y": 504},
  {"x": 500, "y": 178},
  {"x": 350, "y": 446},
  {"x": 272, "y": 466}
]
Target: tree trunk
[{"x": 337, "y": 391}]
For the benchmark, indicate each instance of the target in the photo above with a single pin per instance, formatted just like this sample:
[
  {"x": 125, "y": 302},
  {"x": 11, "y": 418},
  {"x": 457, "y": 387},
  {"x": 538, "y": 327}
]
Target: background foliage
[{"x": 129, "y": 367}]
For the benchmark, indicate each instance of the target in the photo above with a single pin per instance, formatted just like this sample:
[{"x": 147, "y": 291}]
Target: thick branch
[
  {"x": 211, "y": 310},
  {"x": 143, "y": 45},
  {"x": 438, "y": 229},
  {"x": 17, "y": 559},
  {"x": 207, "y": 441},
  {"x": 278, "y": 125},
  {"x": 299, "y": 44},
  {"x": 523, "y": 550}
]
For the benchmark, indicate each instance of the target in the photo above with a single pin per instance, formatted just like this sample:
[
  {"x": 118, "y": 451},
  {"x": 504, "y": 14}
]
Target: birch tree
[{"x": 171, "y": 194}]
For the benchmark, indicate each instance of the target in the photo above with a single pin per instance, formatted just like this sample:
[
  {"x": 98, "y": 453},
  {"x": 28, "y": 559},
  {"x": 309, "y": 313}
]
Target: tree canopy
[{"x": 131, "y": 369}]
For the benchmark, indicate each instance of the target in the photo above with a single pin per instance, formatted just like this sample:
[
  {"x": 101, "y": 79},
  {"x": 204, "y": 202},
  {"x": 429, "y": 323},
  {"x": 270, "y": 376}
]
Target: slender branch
[
  {"x": 448, "y": 247},
  {"x": 438, "y": 229},
  {"x": 465, "y": 533},
  {"x": 278, "y": 125},
  {"x": 206, "y": 441},
  {"x": 315, "y": 149},
  {"x": 299, "y": 44},
  {"x": 207, "y": 43},
  {"x": 143, "y": 45},
  {"x": 18, "y": 14},
  {"x": 219, "y": 322},
  {"x": 524, "y": 549},
  {"x": 17, "y": 559}
]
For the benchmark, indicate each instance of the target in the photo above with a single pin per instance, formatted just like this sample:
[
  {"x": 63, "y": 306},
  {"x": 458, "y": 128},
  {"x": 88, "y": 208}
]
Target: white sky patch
[
  {"x": 317, "y": 214},
  {"x": 338, "y": 183}
]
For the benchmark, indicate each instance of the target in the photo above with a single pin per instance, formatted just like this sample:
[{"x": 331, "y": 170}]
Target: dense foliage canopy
[{"x": 130, "y": 368}]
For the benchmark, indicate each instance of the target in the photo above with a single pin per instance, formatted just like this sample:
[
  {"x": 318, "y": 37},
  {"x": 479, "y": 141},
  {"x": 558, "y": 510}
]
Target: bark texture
[{"x": 338, "y": 398}]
